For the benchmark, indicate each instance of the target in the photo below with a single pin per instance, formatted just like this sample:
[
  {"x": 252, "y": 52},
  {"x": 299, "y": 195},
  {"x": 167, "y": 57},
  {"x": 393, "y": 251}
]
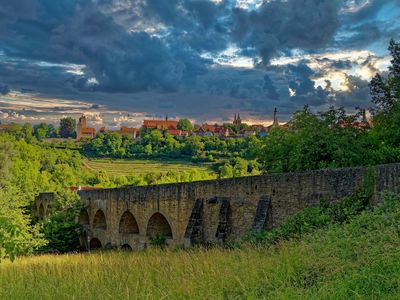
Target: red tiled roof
[
  {"x": 88, "y": 130},
  {"x": 160, "y": 124},
  {"x": 3, "y": 127},
  {"x": 207, "y": 127},
  {"x": 177, "y": 132},
  {"x": 83, "y": 188},
  {"x": 356, "y": 124},
  {"x": 125, "y": 129}
]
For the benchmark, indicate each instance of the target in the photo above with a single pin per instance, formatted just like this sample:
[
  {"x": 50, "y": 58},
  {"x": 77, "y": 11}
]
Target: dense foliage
[
  {"x": 17, "y": 234},
  {"x": 155, "y": 144},
  {"x": 26, "y": 169}
]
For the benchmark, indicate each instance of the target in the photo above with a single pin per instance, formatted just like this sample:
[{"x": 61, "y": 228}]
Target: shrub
[{"x": 158, "y": 241}]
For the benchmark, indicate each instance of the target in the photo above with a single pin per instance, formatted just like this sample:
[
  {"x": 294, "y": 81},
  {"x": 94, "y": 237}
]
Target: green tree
[
  {"x": 193, "y": 145},
  {"x": 67, "y": 127},
  {"x": 17, "y": 234},
  {"x": 27, "y": 131},
  {"x": 185, "y": 124},
  {"x": 385, "y": 92},
  {"x": 43, "y": 130},
  {"x": 226, "y": 171}
]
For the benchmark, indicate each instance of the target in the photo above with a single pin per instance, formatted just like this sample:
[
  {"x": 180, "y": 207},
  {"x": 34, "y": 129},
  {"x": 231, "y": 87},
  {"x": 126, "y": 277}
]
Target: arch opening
[
  {"x": 95, "y": 244},
  {"x": 84, "y": 218},
  {"x": 99, "y": 220},
  {"x": 128, "y": 224},
  {"x": 158, "y": 225},
  {"x": 126, "y": 247}
]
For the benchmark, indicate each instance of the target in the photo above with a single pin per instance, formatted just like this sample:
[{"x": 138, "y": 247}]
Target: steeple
[
  {"x": 276, "y": 122},
  {"x": 239, "y": 121},
  {"x": 364, "y": 116}
]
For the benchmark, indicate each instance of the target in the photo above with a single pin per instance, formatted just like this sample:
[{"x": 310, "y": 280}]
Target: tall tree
[
  {"x": 185, "y": 124},
  {"x": 67, "y": 127},
  {"x": 385, "y": 92}
]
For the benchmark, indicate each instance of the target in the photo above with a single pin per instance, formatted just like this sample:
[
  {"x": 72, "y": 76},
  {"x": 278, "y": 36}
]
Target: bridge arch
[
  {"x": 95, "y": 244},
  {"x": 159, "y": 225},
  {"x": 99, "y": 220},
  {"x": 128, "y": 224},
  {"x": 84, "y": 218},
  {"x": 126, "y": 247}
]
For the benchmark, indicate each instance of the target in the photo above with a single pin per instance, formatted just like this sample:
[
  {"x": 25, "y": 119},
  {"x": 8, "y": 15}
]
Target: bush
[
  {"x": 62, "y": 232},
  {"x": 158, "y": 241}
]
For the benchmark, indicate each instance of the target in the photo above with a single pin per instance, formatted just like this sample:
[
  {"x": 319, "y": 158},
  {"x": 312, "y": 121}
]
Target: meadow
[
  {"x": 356, "y": 260},
  {"x": 121, "y": 167}
]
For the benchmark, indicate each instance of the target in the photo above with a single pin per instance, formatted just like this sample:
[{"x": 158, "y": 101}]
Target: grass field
[
  {"x": 141, "y": 167},
  {"x": 358, "y": 260}
]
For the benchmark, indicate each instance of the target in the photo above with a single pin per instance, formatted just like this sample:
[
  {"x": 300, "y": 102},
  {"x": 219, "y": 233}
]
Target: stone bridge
[{"x": 212, "y": 211}]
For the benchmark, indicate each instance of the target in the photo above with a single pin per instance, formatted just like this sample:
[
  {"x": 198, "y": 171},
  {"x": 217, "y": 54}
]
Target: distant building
[
  {"x": 213, "y": 130},
  {"x": 128, "y": 131},
  {"x": 3, "y": 127},
  {"x": 205, "y": 130},
  {"x": 222, "y": 132},
  {"x": 237, "y": 120},
  {"x": 160, "y": 124},
  {"x": 363, "y": 124},
  {"x": 257, "y": 128},
  {"x": 178, "y": 133},
  {"x": 275, "y": 123},
  {"x": 123, "y": 131},
  {"x": 82, "y": 131}
]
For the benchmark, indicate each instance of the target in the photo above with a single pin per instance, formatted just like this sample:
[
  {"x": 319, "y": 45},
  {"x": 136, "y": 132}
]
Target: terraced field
[{"x": 141, "y": 167}]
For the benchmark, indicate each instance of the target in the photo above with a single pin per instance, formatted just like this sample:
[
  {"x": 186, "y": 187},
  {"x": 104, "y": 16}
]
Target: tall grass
[{"x": 356, "y": 260}]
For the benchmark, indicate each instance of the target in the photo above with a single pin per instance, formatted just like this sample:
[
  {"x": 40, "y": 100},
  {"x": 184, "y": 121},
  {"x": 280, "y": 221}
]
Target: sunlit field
[
  {"x": 360, "y": 260},
  {"x": 142, "y": 167}
]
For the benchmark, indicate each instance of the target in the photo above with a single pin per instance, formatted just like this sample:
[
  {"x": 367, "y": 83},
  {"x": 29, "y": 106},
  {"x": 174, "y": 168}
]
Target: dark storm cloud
[
  {"x": 134, "y": 50},
  {"x": 281, "y": 25},
  {"x": 198, "y": 24},
  {"x": 4, "y": 89},
  {"x": 367, "y": 25},
  {"x": 335, "y": 64},
  {"x": 357, "y": 94},
  {"x": 119, "y": 60},
  {"x": 16, "y": 9},
  {"x": 270, "y": 87}
]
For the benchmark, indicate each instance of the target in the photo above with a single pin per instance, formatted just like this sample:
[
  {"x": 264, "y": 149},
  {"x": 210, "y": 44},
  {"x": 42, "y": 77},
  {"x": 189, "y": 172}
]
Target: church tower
[
  {"x": 81, "y": 125},
  {"x": 236, "y": 120},
  {"x": 276, "y": 122}
]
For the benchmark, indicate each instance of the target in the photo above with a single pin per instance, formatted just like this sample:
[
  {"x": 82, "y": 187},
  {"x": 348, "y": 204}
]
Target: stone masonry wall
[{"x": 220, "y": 210}]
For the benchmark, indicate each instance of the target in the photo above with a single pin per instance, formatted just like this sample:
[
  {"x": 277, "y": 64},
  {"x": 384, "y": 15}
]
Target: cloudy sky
[{"x": 124, "y": 60}]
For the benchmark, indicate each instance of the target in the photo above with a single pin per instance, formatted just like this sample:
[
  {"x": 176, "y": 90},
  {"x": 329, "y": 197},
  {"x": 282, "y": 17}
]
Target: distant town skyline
[{"x": 121, "y": 62}]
